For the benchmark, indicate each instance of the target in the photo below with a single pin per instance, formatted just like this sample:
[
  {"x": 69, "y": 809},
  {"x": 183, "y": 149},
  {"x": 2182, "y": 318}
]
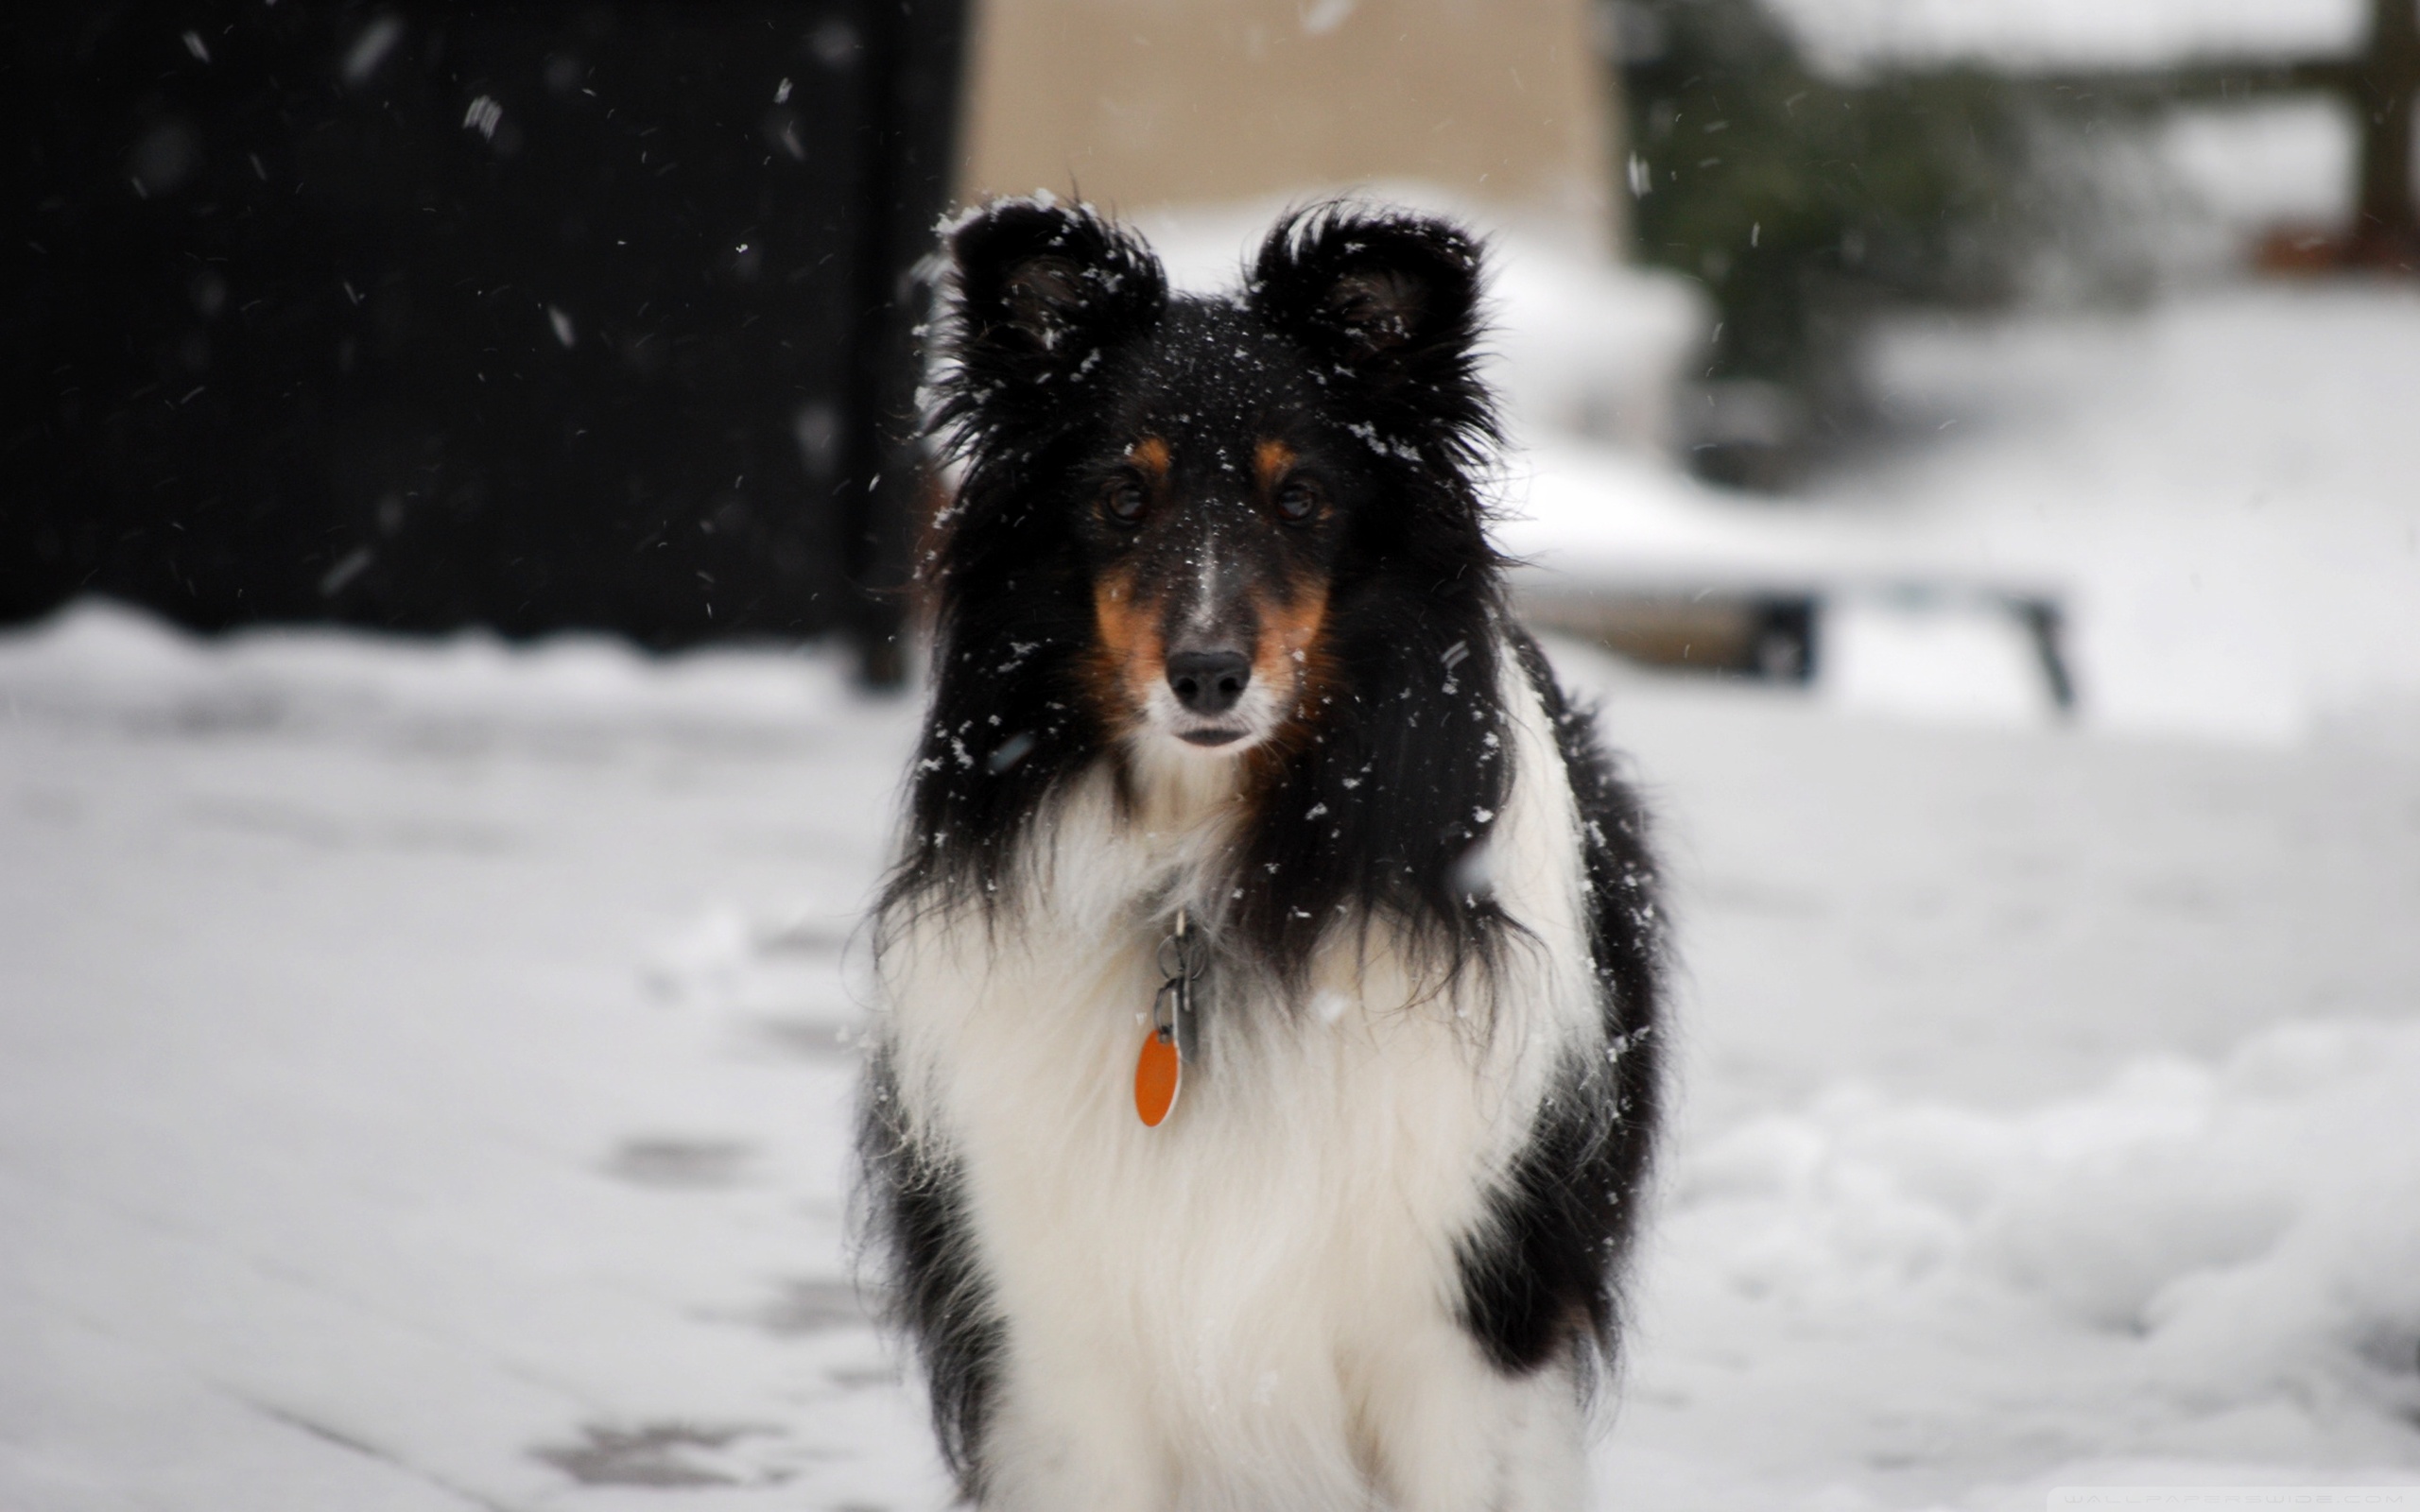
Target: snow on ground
[
  {"x": 375, "y": 1130},
  {"x": 2049, "y": 1108},
  {"x": 423, "y": 1084}
]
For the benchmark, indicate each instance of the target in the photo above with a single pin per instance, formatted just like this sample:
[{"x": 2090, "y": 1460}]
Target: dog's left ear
[{"x": 1387, "y": 300}]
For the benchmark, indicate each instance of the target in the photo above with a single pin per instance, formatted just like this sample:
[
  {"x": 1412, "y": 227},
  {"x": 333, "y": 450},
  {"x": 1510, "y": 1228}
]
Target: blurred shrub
[{"x": 1805, "y": 203}]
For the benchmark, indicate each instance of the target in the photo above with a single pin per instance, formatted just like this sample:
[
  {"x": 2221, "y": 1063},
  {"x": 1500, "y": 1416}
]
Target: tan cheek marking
[
  {"x": 1130, "y": 658},
  {"x": 1289, "y": 655},
  {"x": 1270, "y": 461}
]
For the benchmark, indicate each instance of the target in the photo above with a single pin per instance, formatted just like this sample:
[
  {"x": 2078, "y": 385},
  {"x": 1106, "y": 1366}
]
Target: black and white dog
[{"x": 1263, "y": 1085}]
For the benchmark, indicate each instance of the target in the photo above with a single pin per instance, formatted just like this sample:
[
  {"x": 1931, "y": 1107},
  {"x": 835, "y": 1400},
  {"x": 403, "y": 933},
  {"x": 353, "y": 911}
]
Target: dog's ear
[
  {"x": 1042, "y": 287},
  {"x": 1387, "y": 300}
]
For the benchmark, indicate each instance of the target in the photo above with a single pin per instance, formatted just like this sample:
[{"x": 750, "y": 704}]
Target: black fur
[
  {"x": 1353, "y": 342},
  {"x": 915, "y": 1211},
  {"x": 1549, "y": 1259}
]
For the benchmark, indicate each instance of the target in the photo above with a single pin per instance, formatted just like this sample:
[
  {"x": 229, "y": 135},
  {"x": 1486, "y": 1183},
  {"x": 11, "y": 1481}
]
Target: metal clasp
[{"x": 1180, "y": 963}]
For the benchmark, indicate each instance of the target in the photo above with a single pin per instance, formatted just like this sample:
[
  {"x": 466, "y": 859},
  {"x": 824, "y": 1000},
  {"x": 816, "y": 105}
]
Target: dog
[{"x": 1261, "y": 1091}]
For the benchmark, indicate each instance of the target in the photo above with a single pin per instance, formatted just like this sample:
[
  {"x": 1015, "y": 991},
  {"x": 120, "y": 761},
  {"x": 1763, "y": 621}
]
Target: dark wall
[{"x": 421, "y": 316}]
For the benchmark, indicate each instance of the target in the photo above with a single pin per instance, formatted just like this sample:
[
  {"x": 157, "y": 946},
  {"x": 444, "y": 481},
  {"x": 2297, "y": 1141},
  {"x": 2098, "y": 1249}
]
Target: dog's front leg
[
  {"x": 1453, "y": 1434},
  {"x": 1067, "y": 1438}
]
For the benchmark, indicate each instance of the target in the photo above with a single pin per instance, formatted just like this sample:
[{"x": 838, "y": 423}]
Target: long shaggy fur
[{"x": 1376, "y": 1252}]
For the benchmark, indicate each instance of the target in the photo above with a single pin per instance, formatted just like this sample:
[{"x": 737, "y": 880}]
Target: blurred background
[{"x": 454, "y": 661}]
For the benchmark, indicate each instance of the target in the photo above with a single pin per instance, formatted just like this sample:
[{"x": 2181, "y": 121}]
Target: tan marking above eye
[
  {"x": 1151, "y": 455},
  {"x": 1270, "y": 460}
]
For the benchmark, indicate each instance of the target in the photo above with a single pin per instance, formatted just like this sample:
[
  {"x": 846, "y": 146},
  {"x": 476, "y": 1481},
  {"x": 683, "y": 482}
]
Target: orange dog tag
[
  {"x": 1159, "y": 1071},
  {"x": 1158, "y": 1074}
]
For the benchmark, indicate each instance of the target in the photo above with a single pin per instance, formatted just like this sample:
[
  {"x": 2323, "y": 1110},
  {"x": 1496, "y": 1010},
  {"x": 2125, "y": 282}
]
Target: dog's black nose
[{"x": 1209, "y": 682}]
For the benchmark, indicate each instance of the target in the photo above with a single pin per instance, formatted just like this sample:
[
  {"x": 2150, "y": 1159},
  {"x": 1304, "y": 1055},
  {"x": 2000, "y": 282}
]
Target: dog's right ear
[{"x": 1042, "y": 288}]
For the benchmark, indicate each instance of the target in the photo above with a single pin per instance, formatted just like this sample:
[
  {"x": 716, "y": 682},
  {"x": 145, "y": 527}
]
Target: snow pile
[
  {"x": 96, "y": 657},
  {"x": 2256, "y": 1222},
  {"x": 2214, "y": 1261}
]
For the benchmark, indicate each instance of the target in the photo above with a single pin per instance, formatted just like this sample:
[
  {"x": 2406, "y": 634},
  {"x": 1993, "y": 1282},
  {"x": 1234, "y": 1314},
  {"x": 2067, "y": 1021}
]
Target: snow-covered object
[
  {"x": 1855, "y": 36},
  {"x": 2222, "y": 481},
  {"x": 2216, "y": 490}
]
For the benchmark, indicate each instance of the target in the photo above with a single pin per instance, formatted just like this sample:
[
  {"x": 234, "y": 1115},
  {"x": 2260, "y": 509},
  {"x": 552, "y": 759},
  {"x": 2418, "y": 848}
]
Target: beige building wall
[{"x": 1142, "y": 103}]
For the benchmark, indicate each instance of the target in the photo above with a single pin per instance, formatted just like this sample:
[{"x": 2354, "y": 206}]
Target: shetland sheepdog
[{"x": 1261, "y": 1091}]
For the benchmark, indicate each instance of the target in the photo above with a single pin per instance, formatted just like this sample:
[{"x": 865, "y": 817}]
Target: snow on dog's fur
[{"x": 1218, "y": 630}]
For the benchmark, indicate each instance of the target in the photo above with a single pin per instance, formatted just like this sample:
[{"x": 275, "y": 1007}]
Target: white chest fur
[{"x": 1255, "y": 1300}]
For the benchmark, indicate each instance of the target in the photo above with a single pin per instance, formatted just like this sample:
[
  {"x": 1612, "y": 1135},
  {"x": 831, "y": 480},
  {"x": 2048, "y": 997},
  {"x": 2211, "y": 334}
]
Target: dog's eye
[
  {"x": 1298, "y": 500},
  {"x": 1124, "y": 501}
]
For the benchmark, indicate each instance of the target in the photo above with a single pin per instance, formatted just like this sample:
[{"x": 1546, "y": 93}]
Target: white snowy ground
[
  {"x": 423, "y": 1070},
  {"x": 423, "y": 1084}
]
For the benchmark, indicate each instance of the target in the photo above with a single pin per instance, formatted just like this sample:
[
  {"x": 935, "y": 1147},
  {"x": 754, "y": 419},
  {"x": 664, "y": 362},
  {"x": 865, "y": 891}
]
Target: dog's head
[
  {"x": 1211, "y": 479},
  {"x": 1232, "y": 547}
]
